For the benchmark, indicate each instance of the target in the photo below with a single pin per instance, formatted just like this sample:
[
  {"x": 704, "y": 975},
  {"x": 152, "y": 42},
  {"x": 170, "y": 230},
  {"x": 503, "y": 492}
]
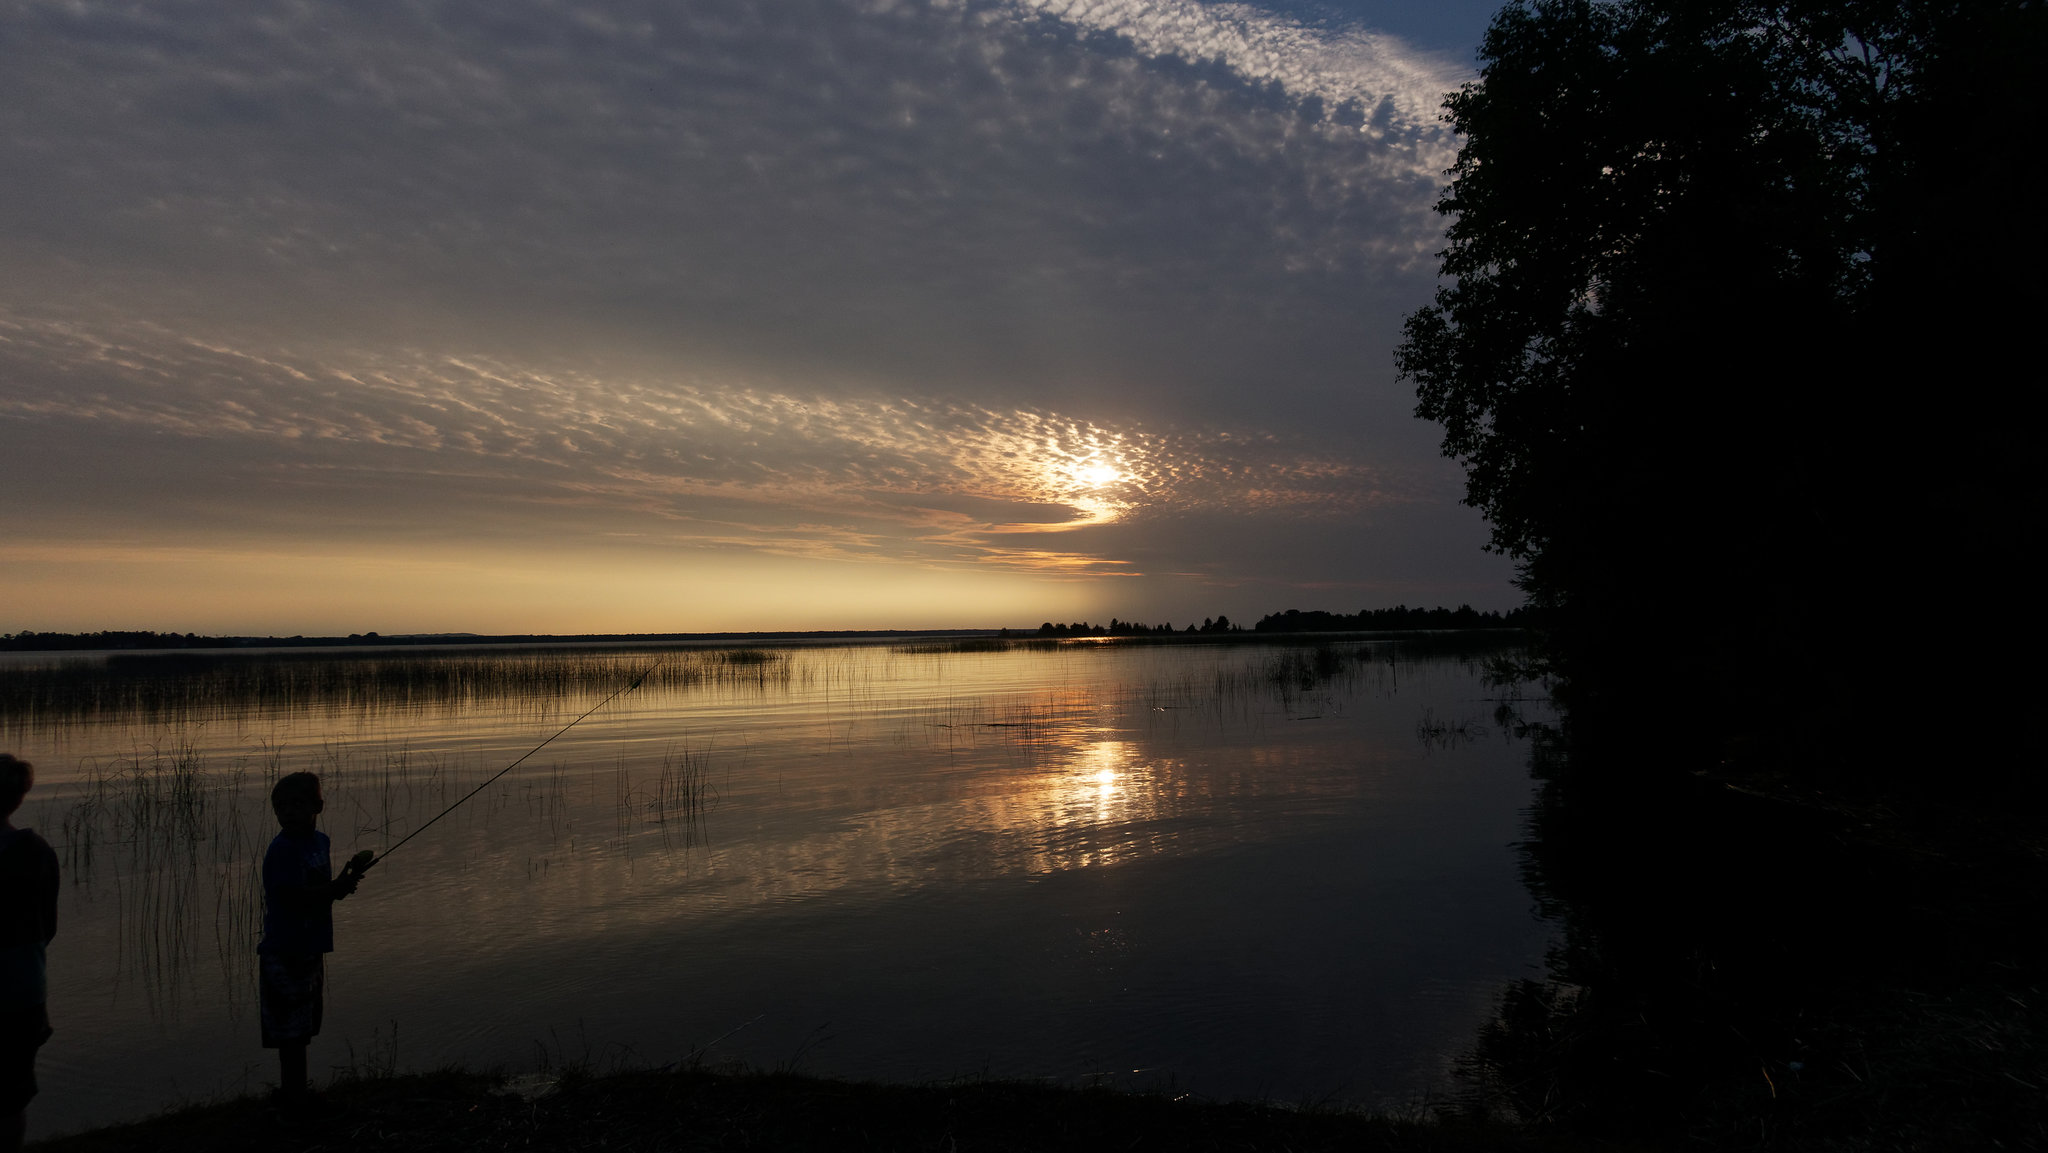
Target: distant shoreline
[
  {"x": 936, "y": 640},
  {"x": 1394, "y": 620}
]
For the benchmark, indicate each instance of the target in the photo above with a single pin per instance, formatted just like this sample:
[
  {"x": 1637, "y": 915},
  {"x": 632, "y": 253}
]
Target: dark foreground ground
[{"x": 695, "y": 1110}]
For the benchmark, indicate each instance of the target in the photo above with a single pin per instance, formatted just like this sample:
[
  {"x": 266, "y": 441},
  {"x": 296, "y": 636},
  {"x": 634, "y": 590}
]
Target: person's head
[
  {"x": 295, "y": 798},
  {"x": 17, "y": 777}
]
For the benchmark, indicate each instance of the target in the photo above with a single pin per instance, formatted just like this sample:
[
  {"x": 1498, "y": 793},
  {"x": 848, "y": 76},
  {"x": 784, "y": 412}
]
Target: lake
[{"x": 1239, "y": 870}]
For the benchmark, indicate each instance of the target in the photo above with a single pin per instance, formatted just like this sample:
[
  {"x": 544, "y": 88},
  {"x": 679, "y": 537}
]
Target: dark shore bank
[
  {"x": 696, "y": 1110},
  {"x": 1751, "y": 963}
]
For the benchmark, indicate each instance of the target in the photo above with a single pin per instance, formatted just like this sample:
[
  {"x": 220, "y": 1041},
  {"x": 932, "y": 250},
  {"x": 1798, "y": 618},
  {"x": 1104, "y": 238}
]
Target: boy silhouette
[
  {"x": 299, "y": 891},
  {"x": 28, "y": 919}
]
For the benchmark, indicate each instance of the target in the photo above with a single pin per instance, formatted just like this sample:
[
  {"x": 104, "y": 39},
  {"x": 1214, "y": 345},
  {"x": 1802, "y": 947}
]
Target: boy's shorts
[
  {"x": 293, "y": 991},
  {"x": 22, "y": 1032}
]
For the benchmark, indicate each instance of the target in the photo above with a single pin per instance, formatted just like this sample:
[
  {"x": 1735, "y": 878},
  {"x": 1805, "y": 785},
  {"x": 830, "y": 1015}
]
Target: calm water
[{"x": 1233, "y": 870}]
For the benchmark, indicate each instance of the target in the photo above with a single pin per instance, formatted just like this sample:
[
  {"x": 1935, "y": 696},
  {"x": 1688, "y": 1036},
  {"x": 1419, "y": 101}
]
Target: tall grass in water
[
  {"x": 683, "y": 796},
  {"x": 676, "y": 801},
  {"x": 960, "y": 645},
  {"x": 162, "y": 687},
  {"x": 1285, "y": 672},
  {"x": 387, "y": 795},
  {"x": 178, "y": 845},
  {"x": 1434, "y": 732},
  {"x": 1239, "y": 679}
]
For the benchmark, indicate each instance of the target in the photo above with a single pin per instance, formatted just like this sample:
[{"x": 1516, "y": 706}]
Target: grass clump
[{"x": 167, "y": 687}]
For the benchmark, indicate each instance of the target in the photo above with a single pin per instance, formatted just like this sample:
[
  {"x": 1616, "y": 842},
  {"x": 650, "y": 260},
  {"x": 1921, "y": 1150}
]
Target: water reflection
[
  {"x": 760, "y": 829},
  {"x": 1103, "y": 808}
]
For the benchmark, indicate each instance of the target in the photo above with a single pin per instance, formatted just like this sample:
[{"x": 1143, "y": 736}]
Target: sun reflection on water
[{"x": 1099, "y": 806}]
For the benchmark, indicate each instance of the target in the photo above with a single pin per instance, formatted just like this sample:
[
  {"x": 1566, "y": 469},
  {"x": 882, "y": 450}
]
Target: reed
[
  {"x": 173, "y": 841},
  {"x": 676, "y": 801},
  {"x": 683, "y": 792},
  {"x": 377, "y": 1062},
  {"x": 1436, "y": 732},
  {"x": 174, "y": 687},
  {"x": 961, "y": 645},
  {"x": 177, "y": 844}
]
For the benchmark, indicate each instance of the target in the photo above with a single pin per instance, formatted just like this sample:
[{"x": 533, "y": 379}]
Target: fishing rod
[{"x": 364, "y": 859}]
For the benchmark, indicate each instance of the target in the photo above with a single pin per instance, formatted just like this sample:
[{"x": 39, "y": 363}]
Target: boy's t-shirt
[
  {"x": 294, "y": 861},
  {"x": 28, "y": 917}
]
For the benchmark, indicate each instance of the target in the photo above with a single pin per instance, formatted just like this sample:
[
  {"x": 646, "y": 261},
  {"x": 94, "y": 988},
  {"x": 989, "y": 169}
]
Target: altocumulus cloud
[
  {"x": 813, "y": 475},
  {"x": 1048, "y": 286}
]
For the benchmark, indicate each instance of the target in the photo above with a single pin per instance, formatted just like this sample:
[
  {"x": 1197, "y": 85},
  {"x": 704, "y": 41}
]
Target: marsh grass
[
  {"x": 176, "y": 844},
  {"x": 683, "y": 795},
  {"x": 1307, "y": 677},
  {"x": 378, "y": 1060},
  {"x": 1436, "y": 732},
  {"x": 151, "y": 688},
  {"x": 1294, "y": 671},
  {"x": 675, "y": 801},
  {"x": 1289, "y": 674},
  {"x": 1035, "y": 727},
  {"x": 169, "y": 687},
  {"x": 961, "y": 645}
]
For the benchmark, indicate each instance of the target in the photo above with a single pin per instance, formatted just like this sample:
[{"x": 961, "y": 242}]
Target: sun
[
  {"x": 1095, "y": 487},
  {"x": 1097, "y": 474}
]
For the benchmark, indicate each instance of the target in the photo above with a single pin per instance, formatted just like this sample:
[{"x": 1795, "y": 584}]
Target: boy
[
  {"x": 299, "y": 891},
  {"x": 28, "y": 919}
]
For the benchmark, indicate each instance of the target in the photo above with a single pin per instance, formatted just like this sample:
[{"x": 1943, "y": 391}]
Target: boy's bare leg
[{"x": 291, "y": 1079}]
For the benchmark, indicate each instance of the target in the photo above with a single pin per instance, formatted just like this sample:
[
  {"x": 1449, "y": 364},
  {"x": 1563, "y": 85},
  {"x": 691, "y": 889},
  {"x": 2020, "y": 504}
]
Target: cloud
[
  {"x": 724, "y": 462},
  {"x": 1394, "y": 90},
  {"x": 903, "y": 188},
  {"x": 825, "y": 279}
]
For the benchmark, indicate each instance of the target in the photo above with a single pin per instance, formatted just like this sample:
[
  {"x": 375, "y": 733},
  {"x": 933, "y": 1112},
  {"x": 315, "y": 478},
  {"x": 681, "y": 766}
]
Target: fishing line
[{"x": 616, "y": 694}]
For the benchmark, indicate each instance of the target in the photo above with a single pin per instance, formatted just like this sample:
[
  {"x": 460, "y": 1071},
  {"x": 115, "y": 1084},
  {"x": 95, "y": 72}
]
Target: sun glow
[
  {"x": 1089, "y": 472},
  {"x": 1095, "y": 488},
  {"x": 1098, "y": 475}
]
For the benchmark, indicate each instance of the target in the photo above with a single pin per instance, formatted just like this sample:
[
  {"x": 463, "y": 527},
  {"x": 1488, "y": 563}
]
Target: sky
[{"x": 514, "y": 316}]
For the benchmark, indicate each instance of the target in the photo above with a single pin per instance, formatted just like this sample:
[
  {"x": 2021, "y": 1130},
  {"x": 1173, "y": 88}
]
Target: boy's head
[
  {"x": 296, "y": 799},
  {"x": 17, "y": 777}
]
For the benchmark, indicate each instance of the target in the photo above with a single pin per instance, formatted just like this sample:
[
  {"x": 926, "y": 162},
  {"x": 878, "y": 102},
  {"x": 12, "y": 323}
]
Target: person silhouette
[
  {"x": 299, "y": 891},
  {"x": 28, "y": 920}
]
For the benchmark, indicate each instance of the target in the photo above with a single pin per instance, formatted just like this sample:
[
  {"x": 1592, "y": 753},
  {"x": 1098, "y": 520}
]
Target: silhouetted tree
[
  {"x": 1708, "y": 325},
  {"x": 1396, "y": 618}
]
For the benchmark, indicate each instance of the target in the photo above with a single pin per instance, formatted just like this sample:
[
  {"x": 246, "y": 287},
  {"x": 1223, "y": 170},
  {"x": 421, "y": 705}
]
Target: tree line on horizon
[
  {"x": 1400, "y": 618},
  {"x": 31, "y": 641},
  {"x": 1124, "y": 628}
]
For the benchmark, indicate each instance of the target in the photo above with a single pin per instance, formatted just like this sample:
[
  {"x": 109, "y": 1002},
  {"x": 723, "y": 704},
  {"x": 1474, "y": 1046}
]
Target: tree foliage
[{"x": 1727, "y": 286}]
